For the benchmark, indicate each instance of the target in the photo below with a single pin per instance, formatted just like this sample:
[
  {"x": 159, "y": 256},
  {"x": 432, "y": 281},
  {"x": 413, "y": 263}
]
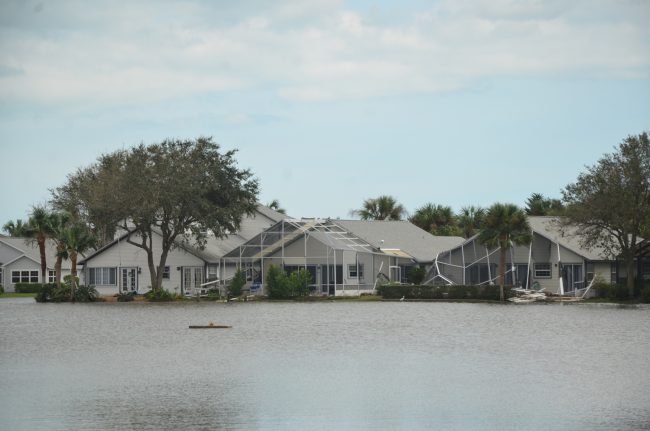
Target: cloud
[{"x": 89, "y": 53}]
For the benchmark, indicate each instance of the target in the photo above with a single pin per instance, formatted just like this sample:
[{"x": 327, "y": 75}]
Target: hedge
[
  {"x": 398, "y": 291},
  {"x": 28, "y": 287}
]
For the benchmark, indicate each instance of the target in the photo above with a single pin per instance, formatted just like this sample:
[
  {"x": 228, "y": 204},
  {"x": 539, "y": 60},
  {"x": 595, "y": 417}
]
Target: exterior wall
[
  {"x": 542, "y": 251},
  {"x": 125, "y": 255},
  {"x": 312, "y": 252},
  {"x": 7, "y": 254},
  {"x": 25, "y": 264}
]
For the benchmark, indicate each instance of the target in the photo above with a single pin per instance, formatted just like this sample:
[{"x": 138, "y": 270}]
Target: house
[
  {"x": 555, "y": 260},
  {"x": 123, "y": 267},
  {"x": 344, "y": 257},
  {"x": 20, "y": 262}
]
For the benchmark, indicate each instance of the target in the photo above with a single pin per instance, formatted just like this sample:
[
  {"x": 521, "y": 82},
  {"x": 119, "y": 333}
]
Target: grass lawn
[{"x": 17, "y": 295}]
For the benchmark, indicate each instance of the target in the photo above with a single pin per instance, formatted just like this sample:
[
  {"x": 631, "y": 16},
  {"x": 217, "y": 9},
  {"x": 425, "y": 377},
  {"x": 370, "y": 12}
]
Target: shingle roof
[
  {"x": 568, "y": 237},
  {"x": 30, "y": 250},
  {"x": 218, "y": 247},
  {"x": 401, "y": 235}
]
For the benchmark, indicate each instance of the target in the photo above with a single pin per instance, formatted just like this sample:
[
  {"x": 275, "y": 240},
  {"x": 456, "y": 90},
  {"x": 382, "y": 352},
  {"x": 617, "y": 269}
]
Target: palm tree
[
  {"x": 470, "y": 220},
  {"x": 15, "y": 229},
  {"x": 505, "y": 224},
  {"x": 37, "y": 228},
  {"x": 60, "y": 222},
  {"x": 539, "y": 205},
  {"x": 77, "y": 239},
  {"x": 435, "y": 219},
  {"x": 275, "y": 205},
  {"x": 381, "y": 208}
]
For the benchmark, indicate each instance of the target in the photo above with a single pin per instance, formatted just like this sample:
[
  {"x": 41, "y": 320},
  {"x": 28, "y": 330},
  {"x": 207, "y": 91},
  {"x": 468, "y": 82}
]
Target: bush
[
  {"x": 28, "y": 287},
  {"x": 645, "y": 295},
  {"x": 282, "y": 286},
  {"x": 237, "y": 284},
  {"x": 85, "y": 294},
  {"x": 618, "y": 291},
  {"x": 397, "y": 291},
  {"x": 416, "y": 276},
  {"x": 299, "y": 282},
  {"x": 125, "y": 297},
  {"x": 602, "y": 289},
  {"x": 2, "y": 289},
  {"x": 159, "y": 295}
]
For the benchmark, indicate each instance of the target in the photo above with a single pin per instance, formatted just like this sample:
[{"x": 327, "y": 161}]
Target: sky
[{"x": 327, "y": 102}]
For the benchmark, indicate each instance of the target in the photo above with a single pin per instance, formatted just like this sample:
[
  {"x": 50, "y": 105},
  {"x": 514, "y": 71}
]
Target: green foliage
[
  {"x": 237, "y": 284},
  {"x": 281, "y": 286},
  {"x": 539, "y": 205},
  {"x": 619, "y": 291},
  {"x": 2, "y": 289},
  {"x": 645, "y": 295},
  {"x": 275, "y": 205},
  {"x": 380, "y": 208},
  {"x": 28, "y": 287},
  {"x": 52, "y": 293},
  {"x": 277, "y": 283},
  {"x": 85, "y": 294},
  {"x": 125, "y": 297},
  {"x": 505, "y": 224},
  {"x": 67, "y": 280},
  {"x": 214, "y": 294},
  {"x": 470, "y": 220},
  {"x": 436, "y": 219},
  {"x": 416, "y": 276},
  {"x": 459, "y": 292},
  {"x": 159, "y": 295},
  {"x": 299, "y": 282},
  {"x": 181, "y": 189},
  {"x": 609, "y": 202}
]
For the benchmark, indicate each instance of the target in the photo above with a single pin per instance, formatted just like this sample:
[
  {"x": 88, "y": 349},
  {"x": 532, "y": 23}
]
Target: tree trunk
[
  {"x": 73, "y": 275},
  {"x": 629, "y": 270},
  {"x": 502, "y": 272},
  {"x": 152, "y": 271},
  {"x": 57, "y": 271},
  {"x": 41, "y": 248}
]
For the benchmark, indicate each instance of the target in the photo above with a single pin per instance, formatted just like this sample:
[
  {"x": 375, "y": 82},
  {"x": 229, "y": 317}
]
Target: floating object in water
[{"x": 210, "y": 326}]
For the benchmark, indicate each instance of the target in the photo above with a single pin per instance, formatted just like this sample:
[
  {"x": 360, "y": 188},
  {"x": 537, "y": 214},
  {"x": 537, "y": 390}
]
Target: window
[
  {"x": 613, "y": 278},
  {"x": 166, "y": 273},
  {"x": 24, "y": 276},
  {"x": 542, "y": 270},
  {"x": 51, "y": 276},
  {"x": 353, "y": 273},
  {"x": 102, "y": 276}
]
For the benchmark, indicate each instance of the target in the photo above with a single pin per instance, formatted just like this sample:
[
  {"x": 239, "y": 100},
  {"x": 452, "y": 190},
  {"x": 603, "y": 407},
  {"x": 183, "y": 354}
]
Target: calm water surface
[{"x": 323, "y": 366}]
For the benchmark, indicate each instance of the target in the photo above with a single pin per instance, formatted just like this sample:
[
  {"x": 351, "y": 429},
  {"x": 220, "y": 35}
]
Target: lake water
[{"x": 323, "y": 366}]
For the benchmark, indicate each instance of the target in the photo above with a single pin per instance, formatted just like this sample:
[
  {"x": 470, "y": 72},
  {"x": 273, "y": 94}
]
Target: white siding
[{"x": 125, "y": 255}]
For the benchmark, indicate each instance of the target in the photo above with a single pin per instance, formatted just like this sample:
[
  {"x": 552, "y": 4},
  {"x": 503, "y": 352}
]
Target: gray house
[
  {"x": 344, "y": 257},
  {"x": 123, "y": 267},
  {"x": 20, "y": 262},
  {"x": 555, "y": 261}
]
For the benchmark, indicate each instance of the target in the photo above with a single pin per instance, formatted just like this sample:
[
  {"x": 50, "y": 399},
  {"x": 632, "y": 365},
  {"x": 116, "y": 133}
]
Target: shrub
[
  {"x": 237, "y": 284},
  {"x": 397, "y": 291},
  {"x": 416, "y": 275},
  {"x": 159, "y": 295},
  {"x": 85, "y": 294},
  {"x": 67, "y": 280},
  {"x": 602, "y": 289},
  {"x": 645, "y": 295},
  {"x": 299, "y": 282},
  {"x": 2, "y": 289},
  {"x": 28, "y": 287},
  {"x": 277, "y": 283},
  {"x": 618, "y": 291},
  {"x": 125, "y": 297}
]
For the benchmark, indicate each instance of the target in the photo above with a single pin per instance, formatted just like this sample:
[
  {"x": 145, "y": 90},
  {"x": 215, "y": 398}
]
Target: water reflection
[{"x": 323, "y": 366}]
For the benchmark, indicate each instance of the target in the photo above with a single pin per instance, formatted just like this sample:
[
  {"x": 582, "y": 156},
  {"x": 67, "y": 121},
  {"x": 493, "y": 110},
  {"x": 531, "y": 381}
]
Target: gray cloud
[{"x": 95, "y": 52}]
